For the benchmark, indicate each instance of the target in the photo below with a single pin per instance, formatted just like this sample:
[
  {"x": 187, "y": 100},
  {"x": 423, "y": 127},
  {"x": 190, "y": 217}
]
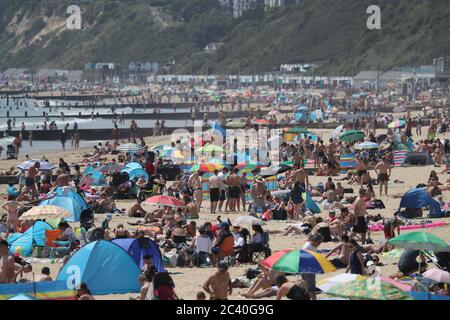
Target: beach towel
[
  {"x": 399, "y": 157},
  {"x": 347, "y": 161},
  {"x": 379, "y": 227}
]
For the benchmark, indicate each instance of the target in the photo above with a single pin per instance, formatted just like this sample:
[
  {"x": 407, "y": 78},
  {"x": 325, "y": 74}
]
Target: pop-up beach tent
[
  {"x": 419, "y": 198},
  {"x": 34, "y": 236},
  {"x": 105, "y": 268},
  {"x": 68, "y": 199},
  {"x": 138, "y": 248}
]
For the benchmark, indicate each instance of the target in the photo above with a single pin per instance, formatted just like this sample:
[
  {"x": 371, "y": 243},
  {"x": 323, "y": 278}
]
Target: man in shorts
[
  {"x": 214, "y": 183},
  {"x": 383, "y": 170}
]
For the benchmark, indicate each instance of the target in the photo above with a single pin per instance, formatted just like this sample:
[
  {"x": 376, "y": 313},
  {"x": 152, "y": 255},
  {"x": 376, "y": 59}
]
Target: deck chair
[
  {"x": 50, "y": 237},
  {"x": 227, "y": 251},
  {"x": 264, "y": 252}
]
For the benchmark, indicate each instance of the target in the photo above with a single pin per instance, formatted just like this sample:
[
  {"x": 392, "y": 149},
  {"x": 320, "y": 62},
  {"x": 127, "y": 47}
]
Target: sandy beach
[{"x": 189, "y": 280}]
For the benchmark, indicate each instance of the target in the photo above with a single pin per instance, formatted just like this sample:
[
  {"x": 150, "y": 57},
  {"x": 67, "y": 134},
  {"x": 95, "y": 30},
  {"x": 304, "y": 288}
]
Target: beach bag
[{"x": 378, "y": 204}]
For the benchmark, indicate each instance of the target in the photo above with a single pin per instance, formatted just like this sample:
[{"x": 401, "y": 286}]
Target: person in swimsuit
[
  {"x": 7, "y": 264},
  {"x": 361, "y": 169},
  {"x": 344, "y": 249},
  {"x": 218, "y": 286},
  {"x": 295, "y": 290},
  {"x": 30, "y": 178},
  {"x": 244, "y": 187},
  {"x": 234, "y": 183},
  {"x": 360, "y": 213},
  {"x": 383, "y": 170},
  {"x": 195, "y": 182},
  {"x": 12, "y": 207}
]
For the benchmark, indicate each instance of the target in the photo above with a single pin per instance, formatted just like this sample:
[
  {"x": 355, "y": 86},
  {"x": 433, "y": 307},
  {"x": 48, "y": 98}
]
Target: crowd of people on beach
[{"x": 346, "y": 194}]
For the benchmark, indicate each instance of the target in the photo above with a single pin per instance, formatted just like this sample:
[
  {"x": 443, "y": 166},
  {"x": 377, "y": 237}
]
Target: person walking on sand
[
  {"x": 218, "y": 286},
  {"x": 383, "y": 170}
]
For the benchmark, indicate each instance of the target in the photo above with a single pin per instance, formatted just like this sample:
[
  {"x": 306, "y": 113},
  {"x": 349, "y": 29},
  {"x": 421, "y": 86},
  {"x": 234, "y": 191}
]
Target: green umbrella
[
  {"x": 368, "y": 289},
  {"x": 210, "y": 148},
  {"x": 235, "y": 124},
  {"x": 297, "y": 130},
  {"x": 420, "y": 241},
  {"x": 352, "y": 136}
]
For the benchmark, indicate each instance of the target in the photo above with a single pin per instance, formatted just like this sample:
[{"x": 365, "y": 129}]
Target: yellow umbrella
[{"x": 45, "y": 212}]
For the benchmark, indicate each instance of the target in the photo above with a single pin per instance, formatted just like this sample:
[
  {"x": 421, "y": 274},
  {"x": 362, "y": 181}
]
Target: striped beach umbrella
[
  {"x": 298, "y": 261},
  {"x": 206, "y": 167},
  {"x": 397, "y": 124},
  {"x": 130, "y": 147},
  {"x": 164, "y": 201}
]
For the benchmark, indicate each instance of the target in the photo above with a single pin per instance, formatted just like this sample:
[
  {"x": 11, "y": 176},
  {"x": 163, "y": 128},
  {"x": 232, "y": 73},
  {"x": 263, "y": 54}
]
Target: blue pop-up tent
[
  {"x": 419, "y": 198},
  {"x": 34, "y": 236},
  {"x": 105, "y": 268},
  {"x": 139, "y": 248},
  {"x": 69, "y": 200}
]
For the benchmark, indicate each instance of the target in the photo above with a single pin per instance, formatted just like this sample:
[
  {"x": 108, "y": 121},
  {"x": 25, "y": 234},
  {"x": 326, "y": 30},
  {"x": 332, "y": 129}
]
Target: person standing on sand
[
  {"x": 12, "y": 207},
  {"x": 195, "y": 183},
  {"x": 299, "y": 175},
  {"x": 218, "y": 286},
  {"x": 360, "y": 213},
  {"x": 383, "y": 170},
  {"x": 214, "y": 190},
  {"x": 234, "y": 185}
]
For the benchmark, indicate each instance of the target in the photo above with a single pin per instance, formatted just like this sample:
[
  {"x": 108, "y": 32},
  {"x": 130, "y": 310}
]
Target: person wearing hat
[
  {"x": 259, "y": 191},
  {"x": 223, "y": 234},
  {"x": 218, "y": 286}
]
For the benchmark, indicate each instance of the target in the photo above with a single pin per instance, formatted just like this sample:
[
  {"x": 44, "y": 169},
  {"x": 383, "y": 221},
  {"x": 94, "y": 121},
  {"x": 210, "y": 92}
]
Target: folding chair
[
  {"x": 50, "y": 237},
  {"x": 261, "y": 254},
  {"x": 227, "y": 251}
]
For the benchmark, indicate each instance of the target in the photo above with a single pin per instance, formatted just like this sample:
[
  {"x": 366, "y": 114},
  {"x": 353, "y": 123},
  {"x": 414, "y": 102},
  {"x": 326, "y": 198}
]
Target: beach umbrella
[
  {"x": 302, "y": 108},
  {"x": 249, "y": 220},
  {"x": 160, "y": 147},
  {"x": 367, "y": 146},
  {"x": 130, "y": 147},
  {"x": 210, "y": 148},
  {"x": 110, "y": 167},
  {"x": 437, "y": 275},
  {"x": 44, "y": 165},
  {"x": 250, "y": 165},
  {"x": 235, "y": 124},
  {"x": 274, "y": 113},
  {"x": 164, "y": 201},
  {"x": 297, "y": 130},
  {"x": 171, "y": 153},
  {"x": 272, "y": 171},
  {"x": 399, "y": 109},
  {"x": 335, "y": 133},
  {"x": 368, "y": 289},
  {"x": 397, "y": 124},
  {"x": 206, "y": 167},
  {"x": 352, "y": 136},
  {"x": 261, "y": 121},
  {"x": 45, "y": 212},
  {"x": 328, "y": 283},
  {"x": 420, "y": 241},
  {"x": 299, "y": 261}
]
